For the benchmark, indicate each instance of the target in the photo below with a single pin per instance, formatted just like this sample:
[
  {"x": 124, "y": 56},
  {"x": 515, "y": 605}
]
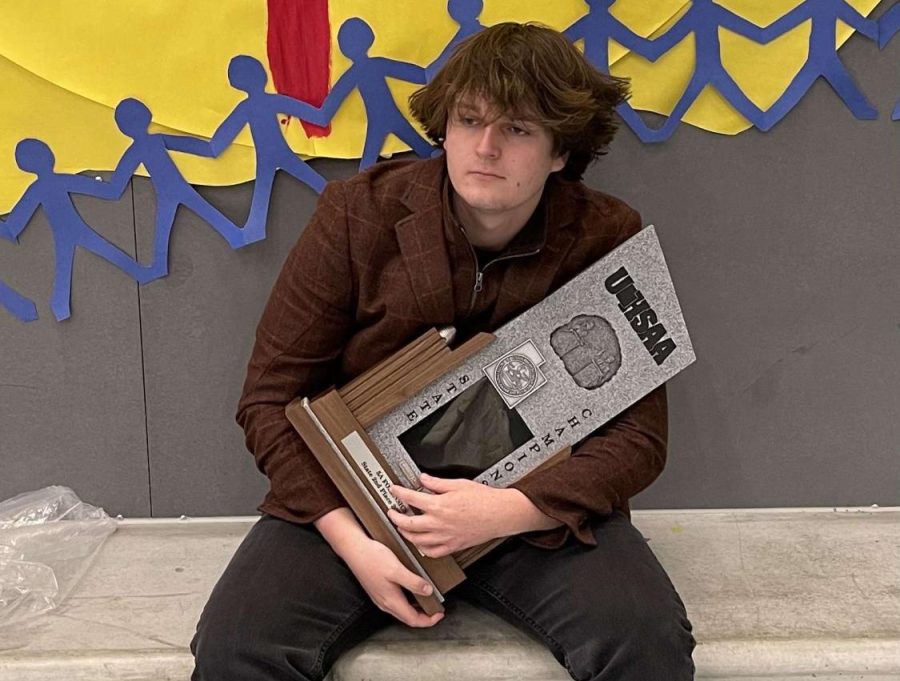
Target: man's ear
[{"x": 559, "y": 162}]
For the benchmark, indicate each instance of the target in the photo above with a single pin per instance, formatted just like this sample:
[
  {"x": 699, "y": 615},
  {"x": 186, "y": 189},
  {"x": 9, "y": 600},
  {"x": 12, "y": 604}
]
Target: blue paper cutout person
[
  {"x": 596, "y": 28},
  {"x": 703, "y": 19},
  {"x": 14, "y": 302},
  {"x": 53, "y": 191},
  {"x": 465, "y": 13},
  {"x": 823, "y": 59},
  {"x": 889, "y": 26},
  {"x": 260, "y": 110},
  {"x": 172, "y": 191},
  {"x": 368, "y": 74}
]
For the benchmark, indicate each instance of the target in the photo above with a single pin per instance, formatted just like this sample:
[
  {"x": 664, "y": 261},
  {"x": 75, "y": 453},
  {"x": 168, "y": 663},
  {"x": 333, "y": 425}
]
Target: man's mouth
[{"x": 485, "y": 173}]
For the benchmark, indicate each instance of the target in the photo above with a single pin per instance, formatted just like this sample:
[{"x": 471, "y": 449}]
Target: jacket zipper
[{"x": 479, "y": 273}]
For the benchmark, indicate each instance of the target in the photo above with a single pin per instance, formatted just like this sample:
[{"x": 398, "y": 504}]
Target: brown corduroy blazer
[{"x": 381, "y": 261}]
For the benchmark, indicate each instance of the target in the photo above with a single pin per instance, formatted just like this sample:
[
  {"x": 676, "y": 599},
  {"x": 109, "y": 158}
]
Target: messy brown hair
[{"x": 531, "y": 72}]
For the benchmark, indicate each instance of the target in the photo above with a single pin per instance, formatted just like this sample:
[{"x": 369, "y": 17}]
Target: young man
[{"x": 470, "y": 239}]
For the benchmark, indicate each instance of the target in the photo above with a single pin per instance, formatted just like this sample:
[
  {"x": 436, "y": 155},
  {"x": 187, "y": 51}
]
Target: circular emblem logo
[{"x": 516, "y": 375}]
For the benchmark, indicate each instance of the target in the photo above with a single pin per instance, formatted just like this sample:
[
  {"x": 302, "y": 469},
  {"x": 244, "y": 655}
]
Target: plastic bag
[{"x": 48, "y": 540}]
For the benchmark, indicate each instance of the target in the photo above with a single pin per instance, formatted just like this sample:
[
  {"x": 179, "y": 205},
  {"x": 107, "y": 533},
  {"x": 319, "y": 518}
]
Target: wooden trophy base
[{"x": 334, "y": 424}]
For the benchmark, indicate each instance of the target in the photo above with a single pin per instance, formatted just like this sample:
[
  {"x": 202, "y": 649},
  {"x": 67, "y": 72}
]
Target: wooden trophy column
[{"x": 334, "y": 424}]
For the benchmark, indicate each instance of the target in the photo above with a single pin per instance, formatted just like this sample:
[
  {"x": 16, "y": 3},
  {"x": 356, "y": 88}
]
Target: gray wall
[{"x": 783, "y": 247}]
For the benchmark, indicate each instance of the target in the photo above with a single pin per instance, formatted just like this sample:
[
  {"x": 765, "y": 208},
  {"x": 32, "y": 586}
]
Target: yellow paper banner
[{"x": 65, "y": 65}]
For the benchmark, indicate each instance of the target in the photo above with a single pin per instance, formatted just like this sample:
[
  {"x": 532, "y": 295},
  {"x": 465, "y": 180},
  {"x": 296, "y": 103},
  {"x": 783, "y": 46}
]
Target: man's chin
[{"x": 484, "y": 203}]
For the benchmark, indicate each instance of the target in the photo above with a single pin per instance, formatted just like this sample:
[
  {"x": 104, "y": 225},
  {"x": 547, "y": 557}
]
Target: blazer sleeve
[
  {"x": 614, "y": 463},
  {"x": 299, "y": 343},
  {"x": 606, "y": 469}
]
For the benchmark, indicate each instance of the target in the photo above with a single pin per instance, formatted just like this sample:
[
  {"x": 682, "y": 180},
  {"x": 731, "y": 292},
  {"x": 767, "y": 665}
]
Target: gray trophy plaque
[{"x": 552, "y": 376}]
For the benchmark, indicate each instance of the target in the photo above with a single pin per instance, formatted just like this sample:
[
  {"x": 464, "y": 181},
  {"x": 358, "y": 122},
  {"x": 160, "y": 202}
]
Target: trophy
[{"x": 501, "y": 405}]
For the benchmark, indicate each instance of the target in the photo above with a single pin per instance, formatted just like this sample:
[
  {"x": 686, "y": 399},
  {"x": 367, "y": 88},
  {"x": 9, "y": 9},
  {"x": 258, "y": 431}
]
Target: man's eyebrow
[
  {"x": 467, "y": 107},
  {"x": 521, "y": 119},
  {"x": 517, "y": 117}
]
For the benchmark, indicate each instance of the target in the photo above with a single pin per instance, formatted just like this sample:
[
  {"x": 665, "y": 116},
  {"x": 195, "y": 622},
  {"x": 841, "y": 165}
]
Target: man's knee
[
  {"x": 215, "y": 653},
  {"x": 644, "y": 645},
  {"x": 225, "y": 652}
]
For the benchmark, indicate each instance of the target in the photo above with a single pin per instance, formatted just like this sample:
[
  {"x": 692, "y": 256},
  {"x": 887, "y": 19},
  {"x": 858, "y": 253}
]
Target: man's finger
[
  {"x": 395, "y": 603},
  {"x": 436, "y": 548},
  {"x": 438, "y": 551},
  {"x": 411, "y": 523},
  {"x": 416, "y": 618},
  {"x": 424, "y": 542},
  {"x": 412, "y": 582},
  {"x": 441, "y": 485},
  {"x": 419, "y": 500}
]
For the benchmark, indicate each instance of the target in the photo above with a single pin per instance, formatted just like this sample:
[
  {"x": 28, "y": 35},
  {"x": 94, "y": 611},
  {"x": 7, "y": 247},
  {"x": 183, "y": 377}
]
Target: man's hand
[
  {"x": 462, "y": 513},
  {"x": 384, "y": 577},
  {"x": 376, "y": 568}
]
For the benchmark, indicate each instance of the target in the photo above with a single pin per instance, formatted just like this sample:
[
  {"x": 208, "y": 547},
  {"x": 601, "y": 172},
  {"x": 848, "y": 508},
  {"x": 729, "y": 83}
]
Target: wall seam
[{"x": 143, "y": 364}]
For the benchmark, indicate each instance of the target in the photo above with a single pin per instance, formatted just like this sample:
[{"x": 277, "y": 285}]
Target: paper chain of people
[{"x": 260, "y": 111}]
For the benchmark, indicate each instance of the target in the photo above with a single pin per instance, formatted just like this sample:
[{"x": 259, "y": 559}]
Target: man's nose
[{"x": 489, "y": 142}]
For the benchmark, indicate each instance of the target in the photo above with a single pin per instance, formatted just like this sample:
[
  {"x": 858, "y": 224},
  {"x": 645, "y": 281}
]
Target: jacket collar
[
  {"x": 530, "y": 238},
  {"x": 423, "y": 245}
]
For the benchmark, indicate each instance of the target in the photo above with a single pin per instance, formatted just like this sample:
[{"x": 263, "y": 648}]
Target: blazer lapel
[{"x": 423, "y": 245}]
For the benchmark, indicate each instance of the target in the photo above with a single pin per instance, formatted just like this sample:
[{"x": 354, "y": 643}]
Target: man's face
[{"x": 497, "y": 165}]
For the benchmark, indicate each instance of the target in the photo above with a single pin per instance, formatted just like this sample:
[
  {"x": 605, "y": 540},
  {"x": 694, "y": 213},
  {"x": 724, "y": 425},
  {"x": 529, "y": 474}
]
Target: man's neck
[{"x": 492, "y": 231}]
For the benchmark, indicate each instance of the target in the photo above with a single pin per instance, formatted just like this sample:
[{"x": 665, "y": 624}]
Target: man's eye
[
  {"x": 468, "y": 120},
  {"x": 518, "y": 130}
]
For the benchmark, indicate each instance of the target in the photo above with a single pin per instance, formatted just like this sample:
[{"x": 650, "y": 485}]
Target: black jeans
[{"x": 286, "y": 607}]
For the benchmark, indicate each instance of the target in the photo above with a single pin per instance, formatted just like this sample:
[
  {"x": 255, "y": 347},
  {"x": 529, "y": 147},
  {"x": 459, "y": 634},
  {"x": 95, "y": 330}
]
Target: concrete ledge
[{"x": 773, "y": 594}]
